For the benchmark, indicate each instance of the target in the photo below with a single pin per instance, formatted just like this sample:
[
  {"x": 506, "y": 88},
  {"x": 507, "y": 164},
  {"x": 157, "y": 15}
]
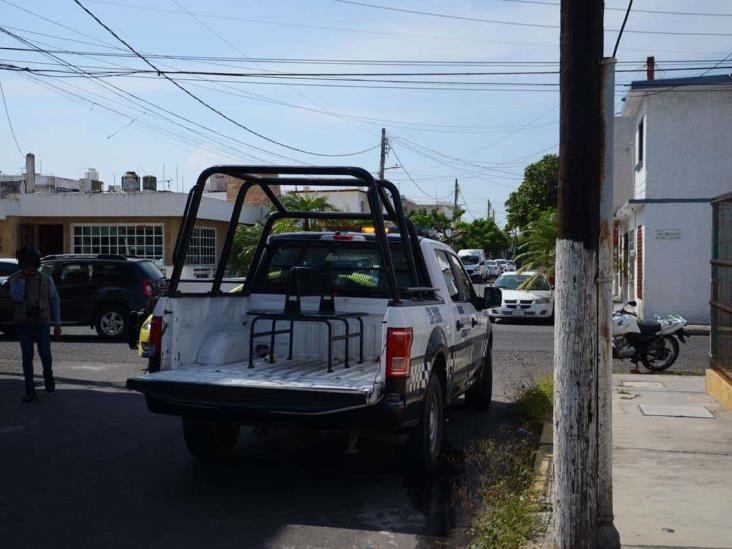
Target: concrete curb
[
  {"x": 543, "y": 484},
  {"x": 696, "y": 329}
]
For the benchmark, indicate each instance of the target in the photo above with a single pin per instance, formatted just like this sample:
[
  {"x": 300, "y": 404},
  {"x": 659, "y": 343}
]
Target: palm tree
[
  {"x": 307, "y": 202},
  {"x": 538, "y": 251}
]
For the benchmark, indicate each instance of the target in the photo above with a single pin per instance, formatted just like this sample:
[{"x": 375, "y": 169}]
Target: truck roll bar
[{"x": 384, "y": 205}]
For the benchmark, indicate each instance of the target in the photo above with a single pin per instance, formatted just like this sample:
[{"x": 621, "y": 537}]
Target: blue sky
[{"x": 492, "y": 133}]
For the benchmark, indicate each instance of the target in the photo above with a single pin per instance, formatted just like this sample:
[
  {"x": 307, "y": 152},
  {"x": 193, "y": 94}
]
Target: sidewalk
[{"x": 672, "y": 476}]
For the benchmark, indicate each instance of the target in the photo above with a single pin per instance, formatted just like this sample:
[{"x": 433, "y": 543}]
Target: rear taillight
[
  {"x": 154, "y": 342},
  {"x": 398, "y": 351},
  {"x": 147, "y": 288}
]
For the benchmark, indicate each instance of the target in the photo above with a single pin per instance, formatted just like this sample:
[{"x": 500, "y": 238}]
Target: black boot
[
  {"x": 30, "y": 396},
  {"x": 48, "y": 382}
]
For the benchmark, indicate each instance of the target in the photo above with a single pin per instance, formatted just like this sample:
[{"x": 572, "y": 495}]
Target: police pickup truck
[{"x": 333, "y": 329}]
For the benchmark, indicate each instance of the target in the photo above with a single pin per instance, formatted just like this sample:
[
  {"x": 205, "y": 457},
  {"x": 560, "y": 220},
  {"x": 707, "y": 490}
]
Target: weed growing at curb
[
  {"x": 501, "y": 474},
  {"x": 533, "y": 402}
]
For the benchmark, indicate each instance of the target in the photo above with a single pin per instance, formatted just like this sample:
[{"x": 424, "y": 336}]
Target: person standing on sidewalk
[{"x": 37, "y": 305}]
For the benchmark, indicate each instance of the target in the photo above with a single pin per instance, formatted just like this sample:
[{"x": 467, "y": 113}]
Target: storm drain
[{"x": 675, "y": 411}]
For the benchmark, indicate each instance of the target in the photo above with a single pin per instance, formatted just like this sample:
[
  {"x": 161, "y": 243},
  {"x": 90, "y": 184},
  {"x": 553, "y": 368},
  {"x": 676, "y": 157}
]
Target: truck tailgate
[{"x": 298, "y": 386}]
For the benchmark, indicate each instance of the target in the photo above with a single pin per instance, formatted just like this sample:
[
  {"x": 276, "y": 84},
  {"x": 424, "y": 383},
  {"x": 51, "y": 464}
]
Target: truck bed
[{"x": 293, "y": 386}]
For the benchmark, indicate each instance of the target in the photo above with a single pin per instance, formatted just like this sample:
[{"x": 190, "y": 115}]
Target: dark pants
[{"x": 41, "y": 335}]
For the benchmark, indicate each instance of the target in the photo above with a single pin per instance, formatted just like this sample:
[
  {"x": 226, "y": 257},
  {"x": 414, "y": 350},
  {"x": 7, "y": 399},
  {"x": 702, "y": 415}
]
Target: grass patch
[
  {"x": 501, "y": 474},
  {"x": 533, "y": 402}
]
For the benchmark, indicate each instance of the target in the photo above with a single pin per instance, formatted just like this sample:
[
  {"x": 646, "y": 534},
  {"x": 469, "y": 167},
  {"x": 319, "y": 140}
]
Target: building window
[
  {"x": 144, "y": 241},
  {"x": 640, "y": 144},
  {"x": 202, "y": 247}
]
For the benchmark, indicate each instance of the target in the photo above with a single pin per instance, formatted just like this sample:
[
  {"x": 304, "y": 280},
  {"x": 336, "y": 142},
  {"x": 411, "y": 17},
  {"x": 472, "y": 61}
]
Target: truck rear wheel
[
  {"x": 425, "y": 442},
  {"x": 479, "y": 395},
  {"x": 209, "y": 440}
]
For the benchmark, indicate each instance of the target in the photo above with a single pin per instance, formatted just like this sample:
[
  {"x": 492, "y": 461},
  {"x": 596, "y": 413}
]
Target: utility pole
[
  {"x": 581, "y": 171},
  {"x": 607, "y": 535},
  {"x": 382, "y": 162},
  {"x": 455, "y": 200}
]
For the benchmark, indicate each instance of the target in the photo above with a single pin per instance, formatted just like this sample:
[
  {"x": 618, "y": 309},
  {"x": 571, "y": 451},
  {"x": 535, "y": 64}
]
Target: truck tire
[
  {"x": 425, "y": 442},
  {"x": 208, "y": 440},
  {"x": 480, "y": 393}
]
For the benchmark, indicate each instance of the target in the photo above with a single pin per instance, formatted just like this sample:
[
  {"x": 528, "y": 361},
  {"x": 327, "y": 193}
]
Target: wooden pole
[
  {"x": 575, "y": 330},
  {"x": 382, "y": 161},
  {"x": 608, "y": 536}
]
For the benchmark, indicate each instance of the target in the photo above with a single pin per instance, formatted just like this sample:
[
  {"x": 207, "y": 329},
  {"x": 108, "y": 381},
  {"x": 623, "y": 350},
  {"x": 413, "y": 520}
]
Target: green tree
[
  {"x": 308, "y": 202},
  {"x": 538, "y": 249},
  {"x": 245, "y": 242},
  {"x": 481, "y": 233},
  {"x": 432, "y": 220},
  {"x": 537, "y": 193}
]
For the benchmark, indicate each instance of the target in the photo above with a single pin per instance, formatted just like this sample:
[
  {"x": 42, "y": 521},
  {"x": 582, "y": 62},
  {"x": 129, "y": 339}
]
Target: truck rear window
[{"x": 354, "y": 267}]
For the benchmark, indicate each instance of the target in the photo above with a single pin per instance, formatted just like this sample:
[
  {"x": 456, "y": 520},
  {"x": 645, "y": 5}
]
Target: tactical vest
[{"x": 36, "y": 286}]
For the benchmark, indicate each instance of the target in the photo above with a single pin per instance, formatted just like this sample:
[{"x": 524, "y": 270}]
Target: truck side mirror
[{"x": 492, "y": 297}]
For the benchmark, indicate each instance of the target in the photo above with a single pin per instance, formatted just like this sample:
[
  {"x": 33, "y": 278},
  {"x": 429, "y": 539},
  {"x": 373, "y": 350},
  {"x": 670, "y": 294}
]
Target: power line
[
  {"x": 10, "y": 123},
  {"x": 430, "y": 37},
  {"x": 207, "y": 105},
  {"x": 622, "y": 28},
  {"x": 610, "y": 8},
  {"x": 512, "y": 23},
  {"x": 404, "y": 169}
]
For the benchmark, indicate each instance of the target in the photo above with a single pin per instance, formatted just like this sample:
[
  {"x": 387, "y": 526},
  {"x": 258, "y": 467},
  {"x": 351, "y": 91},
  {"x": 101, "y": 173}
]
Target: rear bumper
[{"x": 272, "y": 407}]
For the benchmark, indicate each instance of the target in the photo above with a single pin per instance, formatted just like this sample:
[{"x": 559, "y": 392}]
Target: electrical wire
[
  {"x": 610, "y": 8},
  {"x": 10, "y": 123},
  {"x": 404, "y": 169},
  {"x": 512, "y": 23},
  {"x": 210, "y": 107},
  {"x": 622, "y": 27}
]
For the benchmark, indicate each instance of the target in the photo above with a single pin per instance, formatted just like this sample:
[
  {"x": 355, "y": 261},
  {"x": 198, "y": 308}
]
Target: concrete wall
[
  {"x": 689, "y": 144},
  {"x": 624, "y": 139},
  {"x": 677, "y": 272}
]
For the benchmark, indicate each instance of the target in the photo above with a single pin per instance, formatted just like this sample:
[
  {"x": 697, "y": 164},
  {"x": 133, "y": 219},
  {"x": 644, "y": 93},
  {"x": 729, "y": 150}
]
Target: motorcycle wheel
[{"x": 662, "y": 353}]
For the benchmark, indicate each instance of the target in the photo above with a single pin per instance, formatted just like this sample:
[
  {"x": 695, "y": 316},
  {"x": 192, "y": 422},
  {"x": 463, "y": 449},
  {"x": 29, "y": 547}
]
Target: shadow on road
[{"x": 94, "y": 468}]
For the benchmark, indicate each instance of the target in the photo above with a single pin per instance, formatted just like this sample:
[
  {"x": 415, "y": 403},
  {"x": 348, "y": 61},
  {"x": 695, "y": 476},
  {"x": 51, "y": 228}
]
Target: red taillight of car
[
  {"x": 147, "y": 288},
  {"x": 398, "y": 351},
  {"x": 155, "y": 341}
]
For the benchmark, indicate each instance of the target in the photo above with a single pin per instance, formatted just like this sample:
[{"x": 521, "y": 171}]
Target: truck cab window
[
  {"x": 447, "y": 272},
  {"x": 461, "y": 277}
]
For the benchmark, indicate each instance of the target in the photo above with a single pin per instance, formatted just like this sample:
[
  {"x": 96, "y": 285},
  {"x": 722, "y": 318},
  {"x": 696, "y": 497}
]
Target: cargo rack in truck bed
[{"x": 384, "y": 203}]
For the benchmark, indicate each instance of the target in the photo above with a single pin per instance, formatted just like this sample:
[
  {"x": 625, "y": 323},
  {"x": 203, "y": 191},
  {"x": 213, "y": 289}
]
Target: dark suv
[{"x": 96, "y": 290}]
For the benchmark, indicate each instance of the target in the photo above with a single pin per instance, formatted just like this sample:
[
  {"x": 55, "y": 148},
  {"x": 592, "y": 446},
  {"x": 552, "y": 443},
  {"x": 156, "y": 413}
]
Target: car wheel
[
  {"x": 425, "y": 442},
  {"x": 480, "y": 393},
  {"x": 207, "y": 440},
  {"x": 112, "y": 322}
]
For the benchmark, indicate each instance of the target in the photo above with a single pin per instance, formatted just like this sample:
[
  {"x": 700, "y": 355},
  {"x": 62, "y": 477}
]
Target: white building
[{"x": 673, "y": 154}]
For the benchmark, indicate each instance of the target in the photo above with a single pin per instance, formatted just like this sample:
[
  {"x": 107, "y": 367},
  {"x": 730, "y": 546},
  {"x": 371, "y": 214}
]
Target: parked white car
[
  {"x": 474, "y": 262},
  {"x": 492, "y": 267},
  {"x": 525, "y": 295},
  {"x": 8, "y": 266},
  {"x": 502, "y": 266}
]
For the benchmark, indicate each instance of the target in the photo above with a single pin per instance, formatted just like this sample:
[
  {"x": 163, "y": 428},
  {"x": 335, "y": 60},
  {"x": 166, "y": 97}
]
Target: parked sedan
[
  {"x": 8, "y": 267},
  {"x": 525, "y": 295},
  {"x": 492, "y": 268}
]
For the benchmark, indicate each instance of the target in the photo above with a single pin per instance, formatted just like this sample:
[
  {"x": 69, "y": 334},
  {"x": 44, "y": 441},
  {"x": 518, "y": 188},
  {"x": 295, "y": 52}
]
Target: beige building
[{"x": 140, "y": 224}]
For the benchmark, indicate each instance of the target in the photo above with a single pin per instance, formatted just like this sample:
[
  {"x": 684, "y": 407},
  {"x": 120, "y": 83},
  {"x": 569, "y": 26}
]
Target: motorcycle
[{"x": 655, "y": 343}]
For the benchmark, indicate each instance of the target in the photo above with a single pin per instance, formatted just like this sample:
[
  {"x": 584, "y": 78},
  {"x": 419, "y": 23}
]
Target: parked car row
[
  {"x": 98, "y": 291},
  {"x": 480, "y": 268}
]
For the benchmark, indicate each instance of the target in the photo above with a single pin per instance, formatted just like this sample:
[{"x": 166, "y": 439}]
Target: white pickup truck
[{"x": 335, "y": 329}]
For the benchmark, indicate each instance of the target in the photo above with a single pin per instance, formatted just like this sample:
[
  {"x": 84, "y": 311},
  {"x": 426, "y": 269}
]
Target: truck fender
[{"x": 436, "y": 346}]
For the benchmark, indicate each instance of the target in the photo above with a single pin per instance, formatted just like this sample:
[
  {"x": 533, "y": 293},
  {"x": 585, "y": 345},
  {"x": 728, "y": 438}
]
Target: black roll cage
[{"x": 384, "y": 205}]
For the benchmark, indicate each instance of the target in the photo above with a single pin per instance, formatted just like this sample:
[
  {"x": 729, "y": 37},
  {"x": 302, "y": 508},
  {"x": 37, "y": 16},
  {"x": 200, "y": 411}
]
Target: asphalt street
[{"x": 88, "y": 466}]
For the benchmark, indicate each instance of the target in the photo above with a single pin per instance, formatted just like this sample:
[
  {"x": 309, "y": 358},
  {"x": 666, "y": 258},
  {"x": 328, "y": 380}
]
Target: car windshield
[
  {"x": 522, "y": 282},
  {"x": 150, "y": 270},
  {"x": 469, "y": 259}
]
